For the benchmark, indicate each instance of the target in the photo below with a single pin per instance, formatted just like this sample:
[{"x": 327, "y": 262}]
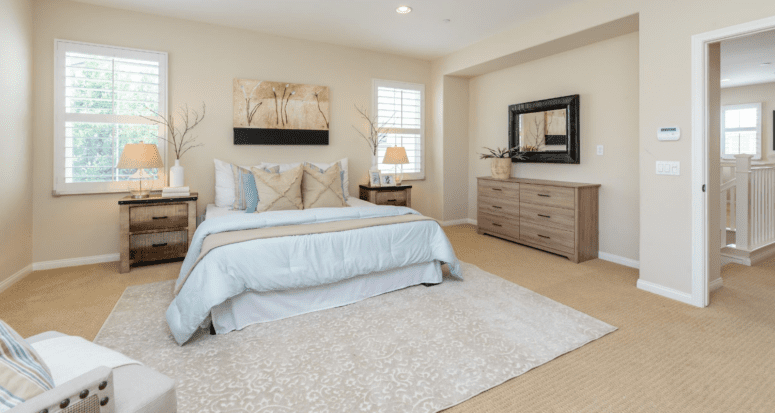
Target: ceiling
[
  {"x": 366, "y": 24},
  {"x": 742, "y": 60}
]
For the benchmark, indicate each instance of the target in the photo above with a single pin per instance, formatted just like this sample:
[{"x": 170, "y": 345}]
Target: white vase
[
  {"x": 176, "y": 175},
  {"x": 374, "y": 164}
]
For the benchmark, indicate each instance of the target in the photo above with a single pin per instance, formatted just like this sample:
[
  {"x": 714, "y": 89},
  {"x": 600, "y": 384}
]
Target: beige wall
[
  {"x": 665, "y": 31},
  {"x": 15, "y": 136},
  {"x": 764, "y": 93},
  {"x": 455, "y": 140},
  {"x": 609, "y": 117},
  {"x": 203, "y": 61}
]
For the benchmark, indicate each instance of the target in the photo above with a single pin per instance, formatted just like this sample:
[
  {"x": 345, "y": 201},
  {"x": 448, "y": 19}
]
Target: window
[
  {"x": 741, "y": 130},
  {"x": 401, "y": 109},
  {"x": 101, "y": 94}
]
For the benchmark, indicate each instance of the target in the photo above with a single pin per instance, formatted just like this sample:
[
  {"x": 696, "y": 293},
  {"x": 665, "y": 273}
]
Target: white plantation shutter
[
  {"x": 741, "y": 130},
  {"x": 400, "y": 108},
  {"x": 101, "y": 93}
]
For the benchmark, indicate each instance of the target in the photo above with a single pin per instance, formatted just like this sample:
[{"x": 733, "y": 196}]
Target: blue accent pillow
[{"x": 250, "y": 191}]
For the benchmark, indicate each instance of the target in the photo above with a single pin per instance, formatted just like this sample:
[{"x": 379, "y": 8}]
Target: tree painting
[{"x": 280, "y": 105}]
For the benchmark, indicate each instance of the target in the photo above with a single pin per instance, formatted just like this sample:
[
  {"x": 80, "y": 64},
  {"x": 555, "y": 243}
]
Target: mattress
[{"x": 214, "y": 211}]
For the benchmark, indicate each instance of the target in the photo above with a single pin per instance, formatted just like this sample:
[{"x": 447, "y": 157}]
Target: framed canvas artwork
[{"x": 278, "y": 113}]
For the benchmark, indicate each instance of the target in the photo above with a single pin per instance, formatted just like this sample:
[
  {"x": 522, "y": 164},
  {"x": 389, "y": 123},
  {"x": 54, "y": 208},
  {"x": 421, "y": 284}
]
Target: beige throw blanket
[{"x": 232, "y": 237}]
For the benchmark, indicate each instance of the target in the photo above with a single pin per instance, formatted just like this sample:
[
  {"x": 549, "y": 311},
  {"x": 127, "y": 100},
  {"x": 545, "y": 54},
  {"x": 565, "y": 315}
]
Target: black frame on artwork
[
  {"x": 569, "y": 103},
  {"x": 257, "y": 136}
]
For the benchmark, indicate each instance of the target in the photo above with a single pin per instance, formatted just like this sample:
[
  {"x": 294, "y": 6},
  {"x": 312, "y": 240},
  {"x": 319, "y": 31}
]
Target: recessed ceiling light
[
  {"x": 403, "y": 9},
  {"x": 725, "y": 80}
]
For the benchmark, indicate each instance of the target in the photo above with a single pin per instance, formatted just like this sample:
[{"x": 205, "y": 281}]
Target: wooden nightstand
[
  {"x": 387, "y": 195},
  {"x": 155, "y": 228}
]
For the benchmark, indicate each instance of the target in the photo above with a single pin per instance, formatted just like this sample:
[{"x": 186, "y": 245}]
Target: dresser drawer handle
[
  {"x": 160, "y": 245},
  {"x": 544, "y": 236},
  {"x": 392, "y": 200},
  {"x": 544, "y": 195},
  {"x": 496, "y": 225},
  {"x": 545, "y": 216},
  {"x": 164, "y": 217},
  {"x": 497, "y": 189},
  {"x": 497, "y": 207}
]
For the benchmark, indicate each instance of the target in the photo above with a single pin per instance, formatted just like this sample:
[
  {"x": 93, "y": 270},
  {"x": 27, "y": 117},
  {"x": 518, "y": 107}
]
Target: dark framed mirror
[{"x": 546, "y": 131}]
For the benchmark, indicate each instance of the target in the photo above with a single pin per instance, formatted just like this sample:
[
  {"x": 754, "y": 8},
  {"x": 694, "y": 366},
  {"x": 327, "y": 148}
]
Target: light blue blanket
[{"x": 277, "y": 264}]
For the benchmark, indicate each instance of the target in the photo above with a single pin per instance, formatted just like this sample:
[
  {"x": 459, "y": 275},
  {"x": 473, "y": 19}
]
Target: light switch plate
[{"x": 668, "y": 168}]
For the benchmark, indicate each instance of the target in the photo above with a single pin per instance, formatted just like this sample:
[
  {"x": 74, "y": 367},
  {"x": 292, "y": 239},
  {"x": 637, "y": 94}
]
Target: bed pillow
[
  {"x": 242, "y": 187},
  {"x": 345, "y": 174},
  {"x": 283, "y": 166},
  {"x": 224, "y": 183},
  {"x": 23, "y": 374},
  {"x": 278, "y": 191},
  {"x": 322, "y": 189}
]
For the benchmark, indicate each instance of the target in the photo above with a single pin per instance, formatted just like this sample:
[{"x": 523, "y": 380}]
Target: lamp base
[{"x": 140, "y": 195}]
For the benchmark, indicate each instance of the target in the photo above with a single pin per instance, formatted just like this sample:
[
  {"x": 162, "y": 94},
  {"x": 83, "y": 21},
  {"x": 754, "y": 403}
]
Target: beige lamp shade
[
  {"x": 140, "y": 156},
  {"x": 395, "y": 156}
]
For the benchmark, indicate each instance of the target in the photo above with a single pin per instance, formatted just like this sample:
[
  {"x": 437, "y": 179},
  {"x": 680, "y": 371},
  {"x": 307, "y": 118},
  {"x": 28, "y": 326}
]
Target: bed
[{"x": 238, "y": 284}]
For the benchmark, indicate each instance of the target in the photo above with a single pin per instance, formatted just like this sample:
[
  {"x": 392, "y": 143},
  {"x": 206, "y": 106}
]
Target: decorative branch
[
  {"x": 286, "y": 106},
  {"x": 180, "y": 139},
  {"x": 377, "y": 132},
  {"x": 276, "y": 108},
  {"x": 248, "y": 96}
]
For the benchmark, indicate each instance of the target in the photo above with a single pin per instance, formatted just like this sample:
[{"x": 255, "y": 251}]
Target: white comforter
[{"x": 277, "y": 264}]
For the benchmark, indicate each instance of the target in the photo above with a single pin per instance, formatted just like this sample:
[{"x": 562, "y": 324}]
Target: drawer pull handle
[
  {"x": 497, "y": 207},
  {"x": 544, "y": 195},
  {"x": 544, "y": 236},
  {"x": 160, "y": 245},
  {"x": 496, "y": 225},
  {"x": 164, "y": 217},
  {"x": 545, "y": 216},
  {"x": 392, "y": 200},
  {"x": 497, "y": 189}
]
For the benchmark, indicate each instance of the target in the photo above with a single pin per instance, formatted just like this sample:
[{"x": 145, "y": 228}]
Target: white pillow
[
  {"x": 345, "y": 181},
  {"x": 224, "y": 183},
  {"x": 283, "y": 166}
]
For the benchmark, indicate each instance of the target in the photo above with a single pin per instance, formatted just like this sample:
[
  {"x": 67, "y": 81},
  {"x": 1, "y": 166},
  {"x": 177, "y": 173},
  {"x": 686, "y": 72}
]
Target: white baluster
[{"x": 743, "y": 176}]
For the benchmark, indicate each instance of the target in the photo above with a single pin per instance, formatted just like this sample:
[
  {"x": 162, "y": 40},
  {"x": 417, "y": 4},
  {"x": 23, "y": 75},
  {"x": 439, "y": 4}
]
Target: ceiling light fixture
[{"x": 403, "y": 9}]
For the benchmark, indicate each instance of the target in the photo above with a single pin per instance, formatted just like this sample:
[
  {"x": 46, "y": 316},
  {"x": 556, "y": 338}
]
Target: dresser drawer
[
  {"x": 542, "y": 215},
  {"x": 557, "y": 239},
  {"x": 397, "y": 198},
  {"x": 498, "y": 225},
  {"x": 499, "y": 189},
  {"x": 158, "y": 246},
  {"x": 144, "y": 218},
  {"x": 554, "y": 196},
  {"x": 498, "y": 206}
]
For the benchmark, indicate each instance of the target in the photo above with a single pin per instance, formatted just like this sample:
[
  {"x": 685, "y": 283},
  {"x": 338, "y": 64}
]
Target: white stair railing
[{"x": 754, "y": 204}]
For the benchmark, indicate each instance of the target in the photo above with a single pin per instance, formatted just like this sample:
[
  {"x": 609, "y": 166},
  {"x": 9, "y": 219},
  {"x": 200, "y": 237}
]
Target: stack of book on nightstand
[{"x": 175, "y": 192}]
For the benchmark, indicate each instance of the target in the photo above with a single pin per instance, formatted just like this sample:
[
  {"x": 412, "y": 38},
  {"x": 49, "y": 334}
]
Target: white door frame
[{"x": 700, "y": 42}]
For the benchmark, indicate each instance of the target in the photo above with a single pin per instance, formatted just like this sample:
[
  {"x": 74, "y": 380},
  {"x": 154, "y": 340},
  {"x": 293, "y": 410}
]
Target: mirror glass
[{"x": 543, "y": 131}]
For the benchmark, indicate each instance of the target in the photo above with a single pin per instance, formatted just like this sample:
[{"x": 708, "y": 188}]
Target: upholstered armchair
[{"x": 128, "y": 388}]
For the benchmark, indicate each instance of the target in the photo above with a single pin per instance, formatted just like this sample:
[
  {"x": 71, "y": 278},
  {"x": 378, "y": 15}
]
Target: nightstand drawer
[
  {"x": 397, "y": 198},
  {"x": 145, "y": 218},
  {"x": 158, "y": 246}
]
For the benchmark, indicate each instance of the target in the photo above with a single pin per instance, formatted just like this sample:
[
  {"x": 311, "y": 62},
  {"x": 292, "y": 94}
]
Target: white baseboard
[
  {"x": 627, "y": 262},
  {"x": 665, "y": 292},
  {"x": 15, "y": 277},
  {"x": 74, "y": 262},
  {"x": 458, "y": 222},
  {"x": 715, "y": 284}
]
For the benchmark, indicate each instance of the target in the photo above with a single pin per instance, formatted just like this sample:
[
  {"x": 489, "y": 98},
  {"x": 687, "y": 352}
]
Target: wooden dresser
[
  {"x": 155, "y": 228},
  {"x": 554, "y": 216}
]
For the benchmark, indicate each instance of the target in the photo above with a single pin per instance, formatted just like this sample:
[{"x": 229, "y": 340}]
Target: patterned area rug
[{"x": 421, "y": 349}]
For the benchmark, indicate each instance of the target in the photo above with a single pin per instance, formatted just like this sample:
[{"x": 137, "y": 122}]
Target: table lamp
[
  {"x": 140, "y": 156},
  {"x": 396, "y": 156}
]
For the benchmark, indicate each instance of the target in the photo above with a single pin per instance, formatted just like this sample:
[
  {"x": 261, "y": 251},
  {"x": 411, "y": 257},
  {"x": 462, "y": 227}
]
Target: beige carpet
[
  {"x": 420, "y": 349},
  {"x": 665, "y": 356}
]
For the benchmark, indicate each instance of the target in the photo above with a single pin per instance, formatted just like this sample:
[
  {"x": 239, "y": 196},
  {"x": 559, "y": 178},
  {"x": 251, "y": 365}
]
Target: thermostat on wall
[{"x": 669, "y": 134}]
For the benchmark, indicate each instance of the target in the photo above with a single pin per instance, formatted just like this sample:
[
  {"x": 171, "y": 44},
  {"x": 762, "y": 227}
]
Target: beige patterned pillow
[
  {"x": 322, "y": 189},
  {"x": 278, "y": 191}
]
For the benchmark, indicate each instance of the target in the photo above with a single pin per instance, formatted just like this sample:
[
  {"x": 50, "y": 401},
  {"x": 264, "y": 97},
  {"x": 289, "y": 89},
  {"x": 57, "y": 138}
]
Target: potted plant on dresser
[{"x": 500, "y": 165}]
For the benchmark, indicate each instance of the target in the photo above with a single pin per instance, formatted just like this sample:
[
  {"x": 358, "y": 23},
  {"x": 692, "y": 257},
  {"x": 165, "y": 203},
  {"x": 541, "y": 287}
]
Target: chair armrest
[{"x": 72, "y": 391}]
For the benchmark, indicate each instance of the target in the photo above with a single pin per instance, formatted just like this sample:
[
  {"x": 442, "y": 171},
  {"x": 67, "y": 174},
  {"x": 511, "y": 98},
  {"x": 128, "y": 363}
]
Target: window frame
[
  {"x": 61, "y": 47},
  {"x": 376, "y": 83},
  {"x": 724, "y": 109}
]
